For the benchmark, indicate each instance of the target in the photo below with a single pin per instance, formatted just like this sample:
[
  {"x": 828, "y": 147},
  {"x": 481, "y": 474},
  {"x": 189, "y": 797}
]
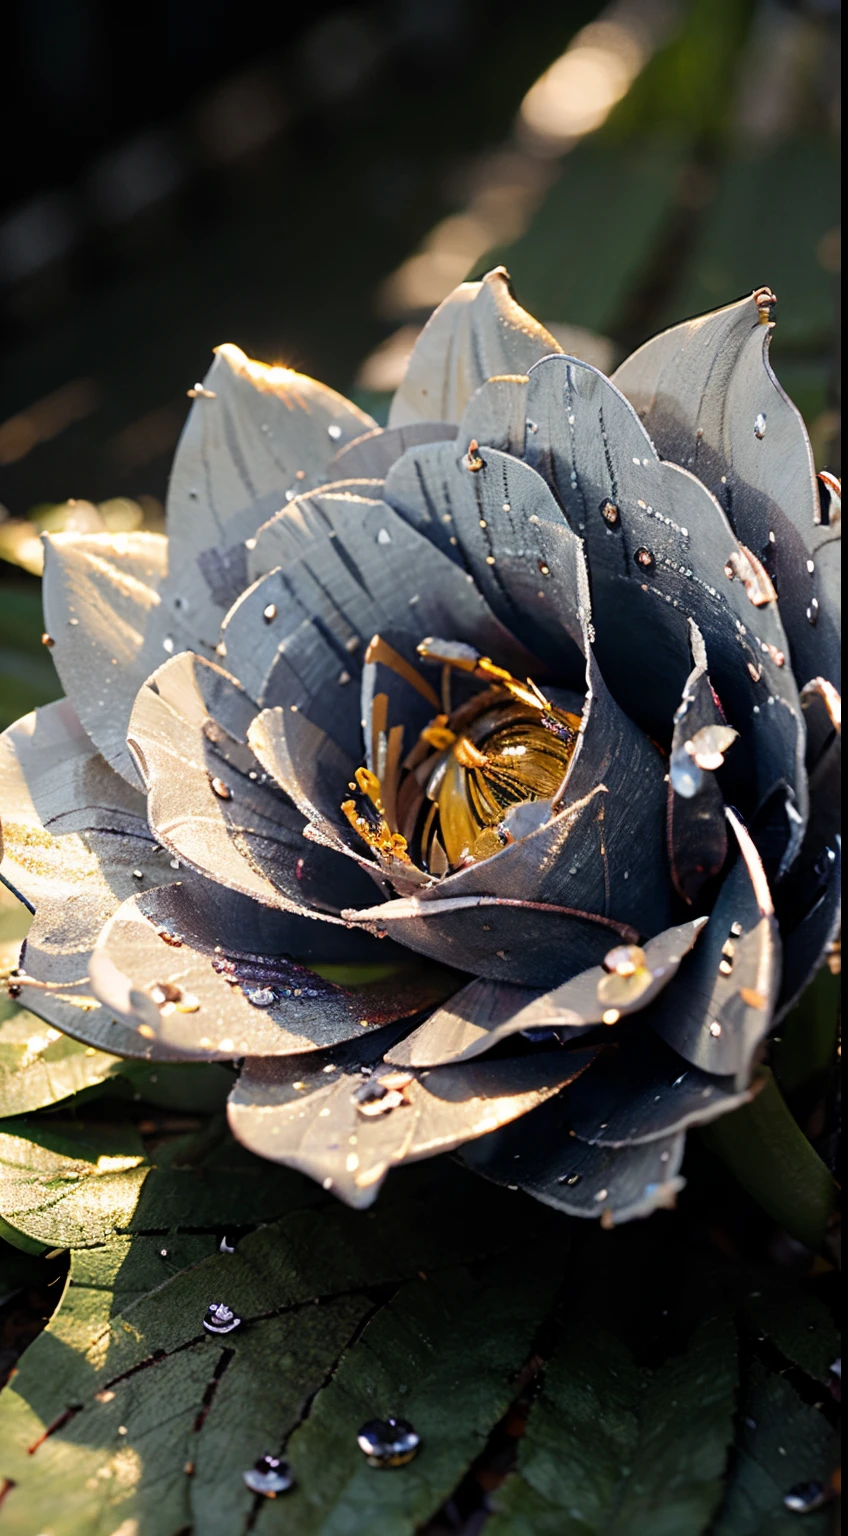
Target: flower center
[{"x": 469, "y": 784}]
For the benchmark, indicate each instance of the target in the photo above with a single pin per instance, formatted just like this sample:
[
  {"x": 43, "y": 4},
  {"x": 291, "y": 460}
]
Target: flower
[{"x": 522, "y": 710}]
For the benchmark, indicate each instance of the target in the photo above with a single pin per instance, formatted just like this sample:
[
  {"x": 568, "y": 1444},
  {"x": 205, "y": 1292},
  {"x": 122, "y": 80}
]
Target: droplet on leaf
[
  {"x": 269, "y": 1476},
  {"x": 805, "y": 1498},
  {"x": 220, "y": 1318},
  {"x": 388, "y": 1442}
]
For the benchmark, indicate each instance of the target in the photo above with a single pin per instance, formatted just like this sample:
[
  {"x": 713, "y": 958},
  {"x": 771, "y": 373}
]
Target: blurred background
[{"x": 310, "y": 183}]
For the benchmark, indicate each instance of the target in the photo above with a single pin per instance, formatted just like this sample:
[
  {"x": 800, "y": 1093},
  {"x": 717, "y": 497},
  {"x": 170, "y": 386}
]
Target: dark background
[{"x": 181, "y": 174}]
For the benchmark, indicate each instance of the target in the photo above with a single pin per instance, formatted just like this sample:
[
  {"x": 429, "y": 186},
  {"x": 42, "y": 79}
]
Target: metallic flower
[{"x": 522, "y": 710}]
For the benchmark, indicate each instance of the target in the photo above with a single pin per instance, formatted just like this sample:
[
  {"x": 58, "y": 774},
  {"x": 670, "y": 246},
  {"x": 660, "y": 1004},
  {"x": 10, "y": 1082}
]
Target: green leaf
[
  {"x": 444, "y": 1355},
  {"x": 782, "y": 1442},
  {"x": 123, "y": 1410},
  {"x": 801, "y": 1327},
  {"x": 772, "y": 1158},
  {"x": 806, "y": 1045},
  {"x": 613, "y": 1450},
  {"x": 40, "y": 1066}
]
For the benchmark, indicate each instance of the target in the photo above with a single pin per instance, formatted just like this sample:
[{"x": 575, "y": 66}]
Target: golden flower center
[{"x": 451, "y": 796}]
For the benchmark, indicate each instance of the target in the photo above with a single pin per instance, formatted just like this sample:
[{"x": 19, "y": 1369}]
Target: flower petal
[
  {"x": 75, "y": 844},
  {"x": 299, "y": 634},
  {"x": 528, "y": 942},
  {"x": 371, "y": 456},
  {"x": 614, "y": 1184},
  {"x": 810, "y": 905},
  {"x": 107, "y": 629},
  {"x": 721, "y": 1004},
  {"x": 666, "y": 553},
  {"x": 497, "y": 519},
  {"x": 169, "y": 962},
  {"x": 486, "y": 1012},
  {"x": 697, "y": 828},
  {"x": 477, "y": 332},
  {"x": 708, "y": 398},
  {"x": 641, "y": 1091},
  {"x": 312, "y": 1119},
  {"x": 252, "y": 434},
  {"x": 189, "y": 733}
]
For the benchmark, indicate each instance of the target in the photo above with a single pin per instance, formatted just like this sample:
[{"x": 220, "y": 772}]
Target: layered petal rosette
[{"x": 470, "y": 782}]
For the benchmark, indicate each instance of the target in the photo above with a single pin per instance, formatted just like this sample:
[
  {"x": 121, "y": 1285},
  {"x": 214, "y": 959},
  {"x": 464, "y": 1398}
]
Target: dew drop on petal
[
  {"x": 760, "y": 424},
  {"x": 269, "y": 613},
  {"x": 168, "y": 644},
  {"x": 715, "y": 1029},
  {"x": 645, "y": 559},
  {"x": 610, "y": 513},
  {"x": 334, "y": 431},
  {"x": 220, "y": 789}
]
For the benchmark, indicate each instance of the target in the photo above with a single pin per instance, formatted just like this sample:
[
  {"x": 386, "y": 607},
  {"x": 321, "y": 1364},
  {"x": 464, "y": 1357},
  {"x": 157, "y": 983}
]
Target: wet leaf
[
  {"x": 614, "y": 1450},
  {"x": 781, "y": 1442},
  {"x": 40, "y": 1066},
  {"x": 800, "y": 1325}
]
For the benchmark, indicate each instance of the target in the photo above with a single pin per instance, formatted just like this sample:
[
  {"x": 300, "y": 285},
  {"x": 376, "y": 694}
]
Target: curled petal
[
  {"x": 209, "y": 801},
  {"x": 667, "y": 554},
  {"x": 478, "y": 332},
  {"x": 338, "y": 1126},
  {"x": 721, "y": 1004},
  {"x": 209, "y": 974},
  {"x": 75, "y": 844},
  {"x": 710, "y": 401},
  {"x": 610, "y": 1184},
  {"x": 485, "y": 1012},
  {"x": 252, "y": 434},
  {"x": 499, "y": 521},
  {"x": 697, "y": 828},
  {"x": 641, "y": 1091}
]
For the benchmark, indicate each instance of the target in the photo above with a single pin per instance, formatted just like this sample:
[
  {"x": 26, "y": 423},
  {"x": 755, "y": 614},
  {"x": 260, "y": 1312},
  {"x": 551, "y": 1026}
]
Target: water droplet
[
  {"x": 610, "y": 1016},
  {"x": 261, "y": 997},
  {"x": 645, "y": 559},
  {"x": 388, "y": 1442},
  {"x": 715, "y": 1029},
  {"x": 224, "y": 1247},
  {"x": 269, "y": 613},
  {"x": 138, "y": 874},
  {"x": 813, "y": 611},
  {"x": 532, "y": 426},
  {"x": 569, "y": 1178},
  {"x": 760, "y": 424},
  {"x": 610, "y": 513},
  {"x": 545, "y": 569},
  {"x": 680, "y": 1079},
  {"x": 602, "y": 1194},
  {"x": 163, "y": 1253},
  {"x": 168, "y": 645},
  {"x": 47, "y": 639},
  {"x": 165, "y": 992},
  {"x": 334, "y": 431},
  {"x": 220, "y": 1318},
  {"x": 73, "y": 622},
  {"x": 220, "y": 789},
  {"x": 624, "y": 960},
  {"x": 270, "y": 1475},
  {"x": 805, "y": 1498}
]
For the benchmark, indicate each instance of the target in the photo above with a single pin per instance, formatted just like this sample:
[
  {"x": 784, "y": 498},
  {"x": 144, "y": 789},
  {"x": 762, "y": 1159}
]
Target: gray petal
[
  {"x": 180, "y": 964},
  {"x": 499, "y": 522},
  {"x": 107, "y": 628},
  {"x": 721, "y": 1004},
  {"x": 477, "y": 333},
  {"x": 252, "y": 434},
  {"x": 313, "y": 1122},
  {"x": 601, "y": 456},
  {"x": 75, "y": 844},
  {"x": 486, "y": 1012},
  {"x": 209, "y": 801},
  {"x": 697, "y": 828},
  {"x": 641, "y": 1091},
  {"x": 298, "y": 636},
  {"x": 614, "y": 1184},
  {"x": 521, "y": 941},
  {"x": 371, "y": 456},
  {"x": 810, "y": 904},
  {"x": 305, "y": 521},
  {"x": 496, "y": 416},
  {"x": 708, "y": 397}
]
